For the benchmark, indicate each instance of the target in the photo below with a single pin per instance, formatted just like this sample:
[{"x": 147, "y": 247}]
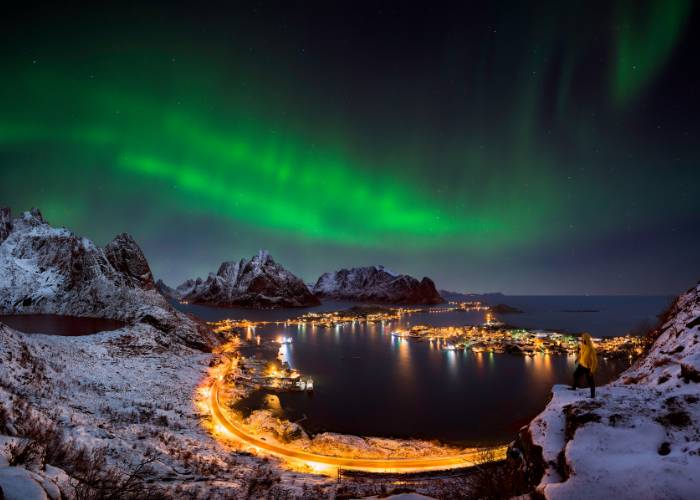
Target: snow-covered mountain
[
  {"x": 166, "y": 290},
  {"x": 258, "y": 282},
  {"x": 50, "y": 270},
  {"x": 640, "y": 438},
  {"x": 376, "y": 284}
]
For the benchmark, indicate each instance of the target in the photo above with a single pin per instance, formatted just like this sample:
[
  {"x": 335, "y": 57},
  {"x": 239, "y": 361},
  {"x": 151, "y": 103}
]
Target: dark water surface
[
  {"x": 218, "y": 313},
  {"x": 54, "y": 324},
  {"x": 367, "y": 382},
  {"x": 601, "y": 316}
]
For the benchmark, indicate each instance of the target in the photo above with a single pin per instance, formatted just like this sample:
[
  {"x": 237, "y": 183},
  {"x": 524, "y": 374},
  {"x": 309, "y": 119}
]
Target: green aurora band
[
  {"x": 257, "y": 146},
  {"x": 644, "y": 44},
  {"x": 248, "y": 174}
]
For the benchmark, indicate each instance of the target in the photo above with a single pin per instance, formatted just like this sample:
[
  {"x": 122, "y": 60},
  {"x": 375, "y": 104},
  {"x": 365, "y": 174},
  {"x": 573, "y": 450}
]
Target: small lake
[
  {"x": 54, "y": 324},
  {"x": 367, "y": 382}
]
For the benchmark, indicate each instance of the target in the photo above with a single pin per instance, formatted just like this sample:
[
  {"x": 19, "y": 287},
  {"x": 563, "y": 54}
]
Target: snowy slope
[
  {"x": 122, "y": 391},
  {"x": 640, "y": 438},
  {"x": 376, "y": 284},
  {"x": 258, "y": 282}
]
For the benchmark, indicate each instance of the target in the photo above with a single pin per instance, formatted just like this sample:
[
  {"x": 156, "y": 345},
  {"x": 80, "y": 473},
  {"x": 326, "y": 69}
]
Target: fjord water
[
  {"x": 368, "y": 383},
  {"x": 601, "y": 316}
]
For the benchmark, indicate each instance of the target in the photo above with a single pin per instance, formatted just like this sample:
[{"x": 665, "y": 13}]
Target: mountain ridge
[
  {"x": 376, "y": 284},
  {"x": 257, "y": 283},
  {"x": 49, "y": 270}
]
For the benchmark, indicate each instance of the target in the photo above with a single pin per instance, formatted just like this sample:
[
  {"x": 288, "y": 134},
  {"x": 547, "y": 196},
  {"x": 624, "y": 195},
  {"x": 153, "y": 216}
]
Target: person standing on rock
[{"x": 587, "y": 363}]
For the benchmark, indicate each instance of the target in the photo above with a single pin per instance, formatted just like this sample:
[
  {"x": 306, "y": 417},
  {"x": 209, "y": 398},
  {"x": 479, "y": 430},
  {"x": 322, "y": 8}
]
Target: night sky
[{"x": 524, "y": 149}]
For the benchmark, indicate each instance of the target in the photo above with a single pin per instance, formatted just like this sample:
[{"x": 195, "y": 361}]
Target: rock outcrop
[
  {"x": 166, "y": 291},
  {"x": 376, "y": 284},
  {"x": 639, "y": 437},
  {"x": 5, "y": 223},
  {"x": 258, "y": 283},
  {"x": 50, "y": 270},
  {"x": 127, "y": 258}
]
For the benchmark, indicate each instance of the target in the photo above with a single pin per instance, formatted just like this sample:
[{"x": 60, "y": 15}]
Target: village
[
  {"x": 492, "y": 336},
  {"x": 358, "y": 314},
  {"x": 495, "y": 337}
]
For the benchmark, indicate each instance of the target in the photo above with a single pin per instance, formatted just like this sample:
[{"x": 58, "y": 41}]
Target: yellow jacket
[{"x": 587, "y": 357}]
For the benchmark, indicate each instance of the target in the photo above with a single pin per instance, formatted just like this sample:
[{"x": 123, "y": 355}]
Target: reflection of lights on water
[
  {"x": 452, "y": 361},
  {"x": 542, "y": 366},
  {"x": 223, "y": 427},
  {"x": 492, "y": 361},
  {"x": 404, "y": 356},
  {"x": 285, "y": 354},
  {"x": 479, "y": 357}
]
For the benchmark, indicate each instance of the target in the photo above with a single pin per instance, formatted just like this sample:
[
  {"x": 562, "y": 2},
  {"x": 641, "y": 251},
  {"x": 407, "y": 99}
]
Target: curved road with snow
[{"x": 324, "y": 463}]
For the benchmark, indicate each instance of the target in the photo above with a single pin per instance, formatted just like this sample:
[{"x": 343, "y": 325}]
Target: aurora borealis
[{"x": 542, "y": 149}]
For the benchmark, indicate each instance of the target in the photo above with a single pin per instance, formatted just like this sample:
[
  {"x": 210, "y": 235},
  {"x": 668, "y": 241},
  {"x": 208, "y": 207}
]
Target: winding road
[{"x": 330, "y": 464}]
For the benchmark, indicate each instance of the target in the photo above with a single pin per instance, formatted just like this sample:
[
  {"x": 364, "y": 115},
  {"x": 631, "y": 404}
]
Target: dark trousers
[{"x": 582, "y": 370}]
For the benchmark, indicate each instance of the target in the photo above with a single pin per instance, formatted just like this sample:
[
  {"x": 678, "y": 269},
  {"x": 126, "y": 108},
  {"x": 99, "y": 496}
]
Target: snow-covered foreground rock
[
  {"x": 376, "y": 284},
  {"x": 258, "y": 282},
  {"x": 122, "y": 397},
  {"x": 640, "y": 438}
]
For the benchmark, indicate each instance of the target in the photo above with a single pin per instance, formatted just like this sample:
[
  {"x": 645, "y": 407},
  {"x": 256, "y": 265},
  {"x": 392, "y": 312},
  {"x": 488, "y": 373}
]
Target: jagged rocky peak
[
  {"x": 376, "y": 284},
  {"x": 166, "y": 291},
  {"x": 258, "y": 282},
  {"x": 35, "y": 214},
  {"x": 31, "y": 218},
  {"x": 126, "y": 257},
  {"x": 5, "y": 222},
  {"x": 229, "y": 270},
  {"x": 47, "y": 269}
]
